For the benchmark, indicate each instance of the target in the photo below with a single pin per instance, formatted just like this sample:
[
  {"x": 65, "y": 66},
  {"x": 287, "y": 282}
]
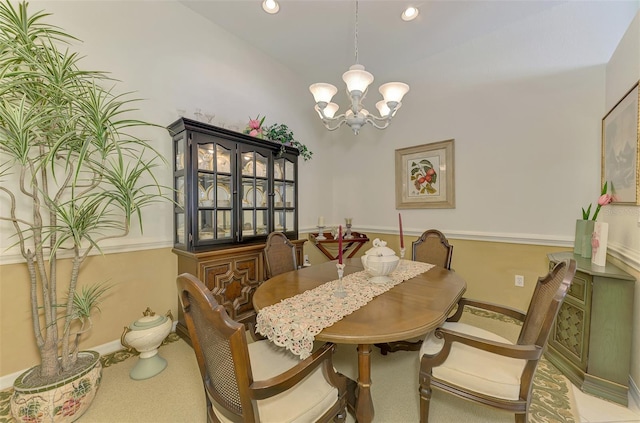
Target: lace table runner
[{"x": 294, "y": 322}]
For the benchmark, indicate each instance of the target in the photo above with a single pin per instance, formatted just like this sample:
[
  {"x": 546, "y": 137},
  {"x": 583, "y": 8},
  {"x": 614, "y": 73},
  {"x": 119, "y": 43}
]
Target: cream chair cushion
[
  {"x": 305, "y": 402},
  {"x": 475, "y": 369}
]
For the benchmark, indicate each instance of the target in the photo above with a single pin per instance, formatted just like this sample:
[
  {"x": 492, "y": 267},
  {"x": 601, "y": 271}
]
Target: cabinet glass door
[
  {"x": 180, "y": 234},
  {"x": 284, "y": 190},
  {"x": 254, "y": 193},
  {"x": 230, "y": 188},
  {"x": 215, "y": 185}
]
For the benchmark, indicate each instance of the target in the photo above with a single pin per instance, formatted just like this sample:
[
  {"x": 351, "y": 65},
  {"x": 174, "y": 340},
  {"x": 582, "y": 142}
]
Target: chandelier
[{"x": 357, "y": 80}]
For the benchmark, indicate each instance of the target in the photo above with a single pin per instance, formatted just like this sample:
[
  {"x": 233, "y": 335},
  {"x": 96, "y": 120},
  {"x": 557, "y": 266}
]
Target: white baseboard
[{"x": 6, "y": 381}]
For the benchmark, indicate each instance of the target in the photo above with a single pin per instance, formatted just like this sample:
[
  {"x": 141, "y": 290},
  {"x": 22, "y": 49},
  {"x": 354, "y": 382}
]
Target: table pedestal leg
[{"x": 364, "y": 402}]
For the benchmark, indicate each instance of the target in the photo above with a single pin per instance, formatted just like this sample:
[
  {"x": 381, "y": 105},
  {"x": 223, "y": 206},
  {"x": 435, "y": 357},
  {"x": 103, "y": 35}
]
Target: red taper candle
[
  {"x": 340, "y": 244},
  {"x": 401, "y": 236}
]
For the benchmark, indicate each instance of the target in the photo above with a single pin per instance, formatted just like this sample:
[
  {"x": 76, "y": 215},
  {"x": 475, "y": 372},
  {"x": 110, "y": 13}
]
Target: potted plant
[
  {"x": 72, "y": 176},
  {"x": 276, "y": 132},
  {"x": 281, "y": 132}
]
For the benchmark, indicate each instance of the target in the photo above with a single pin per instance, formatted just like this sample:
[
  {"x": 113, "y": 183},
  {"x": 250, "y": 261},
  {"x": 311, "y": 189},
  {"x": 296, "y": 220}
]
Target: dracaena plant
[{"x": 72, "y": 175}]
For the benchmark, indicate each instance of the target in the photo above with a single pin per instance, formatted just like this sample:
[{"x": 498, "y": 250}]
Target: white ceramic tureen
[
  {"x": 145, "y": 335},
  {"x": 380, "y": 261}
]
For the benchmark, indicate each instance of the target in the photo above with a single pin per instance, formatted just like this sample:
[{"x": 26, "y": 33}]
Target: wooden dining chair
[
  {"x": 478, "y": 365},
  {"x": 257, "y": 381},
  {"x": 434, "y": 248},
  {"x": 279, "y": 254}
]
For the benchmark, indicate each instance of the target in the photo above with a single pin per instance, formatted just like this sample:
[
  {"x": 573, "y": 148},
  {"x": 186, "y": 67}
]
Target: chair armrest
[
  {"x": 523, "y": 352},
  {"x": 269, "y": 387},
  {"x": 507, "y": 311}
]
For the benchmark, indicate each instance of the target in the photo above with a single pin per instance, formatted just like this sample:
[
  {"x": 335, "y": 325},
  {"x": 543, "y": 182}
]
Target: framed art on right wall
[{"x": 621, "y": 149}]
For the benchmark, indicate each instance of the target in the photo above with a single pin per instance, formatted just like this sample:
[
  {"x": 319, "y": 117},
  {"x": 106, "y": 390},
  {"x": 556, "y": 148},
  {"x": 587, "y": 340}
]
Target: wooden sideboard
[
  {"x": 232, "y": 274},
  {"x": 590, "y": 342}
]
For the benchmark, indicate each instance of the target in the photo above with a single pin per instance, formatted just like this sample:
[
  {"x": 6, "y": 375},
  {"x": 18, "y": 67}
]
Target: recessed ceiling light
[
  {"x": 410, "y": 13},
  {"x": 270, "y": 6}
]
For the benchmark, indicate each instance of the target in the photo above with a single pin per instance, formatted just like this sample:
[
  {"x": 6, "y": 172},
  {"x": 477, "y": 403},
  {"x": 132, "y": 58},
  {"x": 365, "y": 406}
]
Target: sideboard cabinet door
[{"x": 591, "y": 338}]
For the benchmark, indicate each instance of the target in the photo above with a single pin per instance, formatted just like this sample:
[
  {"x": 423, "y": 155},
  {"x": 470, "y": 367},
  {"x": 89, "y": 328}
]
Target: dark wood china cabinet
[{"x": 231, "y": 191}]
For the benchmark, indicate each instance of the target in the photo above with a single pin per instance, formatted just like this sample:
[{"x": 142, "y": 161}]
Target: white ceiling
[{"x": 315, "y": 39}]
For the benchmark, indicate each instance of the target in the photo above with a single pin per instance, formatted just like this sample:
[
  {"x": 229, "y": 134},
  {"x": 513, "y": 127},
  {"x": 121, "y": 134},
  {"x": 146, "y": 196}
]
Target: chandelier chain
[
  {"x": 357, "y": 80},
  {"x": 356, "y": 34}
]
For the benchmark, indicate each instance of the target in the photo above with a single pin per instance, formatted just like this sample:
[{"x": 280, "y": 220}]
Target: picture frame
[
  {"x": 620, "y": 165},
  {"x": 425, "y": 176}
]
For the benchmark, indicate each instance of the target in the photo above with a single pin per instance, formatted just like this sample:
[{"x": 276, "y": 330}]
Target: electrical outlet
[{"x": 519, "y": 280}]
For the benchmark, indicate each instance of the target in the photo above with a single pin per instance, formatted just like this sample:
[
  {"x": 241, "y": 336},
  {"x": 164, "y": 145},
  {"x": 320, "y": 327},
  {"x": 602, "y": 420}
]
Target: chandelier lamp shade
[{"x": 357, "y": 80}]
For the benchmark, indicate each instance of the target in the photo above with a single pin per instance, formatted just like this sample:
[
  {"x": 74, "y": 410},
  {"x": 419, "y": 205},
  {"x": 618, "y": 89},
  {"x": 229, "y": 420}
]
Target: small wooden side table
[{"x": 350, "y": 246}]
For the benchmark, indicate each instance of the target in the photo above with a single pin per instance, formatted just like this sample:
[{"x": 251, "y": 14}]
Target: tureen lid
[
  {"x": 148, "y": 320},
  {"x": 380, "y": 249}
]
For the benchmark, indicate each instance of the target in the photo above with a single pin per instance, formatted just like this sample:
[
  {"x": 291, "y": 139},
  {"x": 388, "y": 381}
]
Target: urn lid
[
  {"x": 380, "y": 249},
  {"x": 148, "y": 320}
]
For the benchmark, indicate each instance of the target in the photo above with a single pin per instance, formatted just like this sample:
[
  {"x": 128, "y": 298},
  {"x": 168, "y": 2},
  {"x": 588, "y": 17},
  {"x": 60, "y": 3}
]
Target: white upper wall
[
  {"x": 174, "y": 59},
  {"x": 527, "y": 136}
]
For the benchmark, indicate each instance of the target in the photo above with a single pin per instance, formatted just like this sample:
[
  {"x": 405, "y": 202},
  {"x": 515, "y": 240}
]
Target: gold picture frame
[
  {"x": 620, "y": 165},
  {"x": 425, "y": 176}
]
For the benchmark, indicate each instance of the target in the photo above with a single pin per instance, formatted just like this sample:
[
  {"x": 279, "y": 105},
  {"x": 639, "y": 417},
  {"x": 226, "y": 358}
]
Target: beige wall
[
  {"x": 147, "y": 279},
  {"x": 488, "y": 267},
  {"x": 140, "y": 279}
]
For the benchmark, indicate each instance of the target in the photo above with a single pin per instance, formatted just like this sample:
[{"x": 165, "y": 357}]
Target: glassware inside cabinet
[
  {"x": 279, "y": 220},
  {"x": 179, "y": 154},
  {"x": 248, "y": 192},
  {"x": 289, "y": 194},
  {"x": 254, "y": 222},
  {"x": 223, "y": 224},
  {"x": 205, "y": 189},
  {"x": 223, "y": 191},
  {"x": 223, "y": 159},
  {"x": 254, "y": 164},
  {"x": 278, "y": 191},
  {"x": 278, "y": 169},
  {"x": 262, "y": 192},
  {"x": 262, "y": 219},
  {"x": 205, "y": 225},
  {"x": 205, "y": 157},
  {"x": 179, "y": 194},
  {"x": 261, "y": 166}
]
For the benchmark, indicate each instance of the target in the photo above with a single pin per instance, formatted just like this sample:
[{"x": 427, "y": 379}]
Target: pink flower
[
  {"x": 254, "y": 132},
  {"x": 605, "y": 199},
  {"x": 254, "y": 124}
]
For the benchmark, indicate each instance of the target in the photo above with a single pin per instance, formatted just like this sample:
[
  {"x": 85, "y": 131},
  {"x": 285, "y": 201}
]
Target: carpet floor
[{"x": 176, "y": 394}]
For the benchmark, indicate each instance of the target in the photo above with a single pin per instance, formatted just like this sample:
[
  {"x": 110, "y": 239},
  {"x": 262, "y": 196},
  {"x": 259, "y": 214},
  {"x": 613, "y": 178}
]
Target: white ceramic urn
[
  {"x": 380, "y": 261},
  {"x": 145, "y": 335}
]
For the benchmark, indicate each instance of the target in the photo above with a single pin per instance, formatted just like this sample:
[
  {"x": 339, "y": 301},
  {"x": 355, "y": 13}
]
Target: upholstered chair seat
[
  {"x": 303, "y": 403},
  {"x": 256, "y": 382},
  {"x": 479, "y": 365},
  {"x": 478, "y": 370}
]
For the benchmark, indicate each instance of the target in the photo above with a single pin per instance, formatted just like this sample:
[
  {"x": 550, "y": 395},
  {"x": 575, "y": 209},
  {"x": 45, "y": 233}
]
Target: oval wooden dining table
[{"x": 408, "y": 310}]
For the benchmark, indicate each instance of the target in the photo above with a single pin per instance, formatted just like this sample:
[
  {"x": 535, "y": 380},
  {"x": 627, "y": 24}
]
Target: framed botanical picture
[
  {"x": 621, "y": 149},
  {"x": 424, "y": 176}
]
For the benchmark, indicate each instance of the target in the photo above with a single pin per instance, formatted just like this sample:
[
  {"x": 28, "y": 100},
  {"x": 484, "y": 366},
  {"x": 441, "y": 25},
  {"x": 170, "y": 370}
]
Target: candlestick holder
[
  {"x": 340, "y": 292},
  {"x": 402, "y": 251},
  {"x": 321, "y": 236},
  {"x": 348, "y": 234}
]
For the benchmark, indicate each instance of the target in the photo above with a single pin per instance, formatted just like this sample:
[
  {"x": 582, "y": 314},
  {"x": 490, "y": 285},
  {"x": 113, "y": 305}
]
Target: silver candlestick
[
  {"x": 402, "y": 251},
  {"x": 348, "y": 234},
  {"x": 321, "y": 236},
  {"x": 340, "y": 292}
]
